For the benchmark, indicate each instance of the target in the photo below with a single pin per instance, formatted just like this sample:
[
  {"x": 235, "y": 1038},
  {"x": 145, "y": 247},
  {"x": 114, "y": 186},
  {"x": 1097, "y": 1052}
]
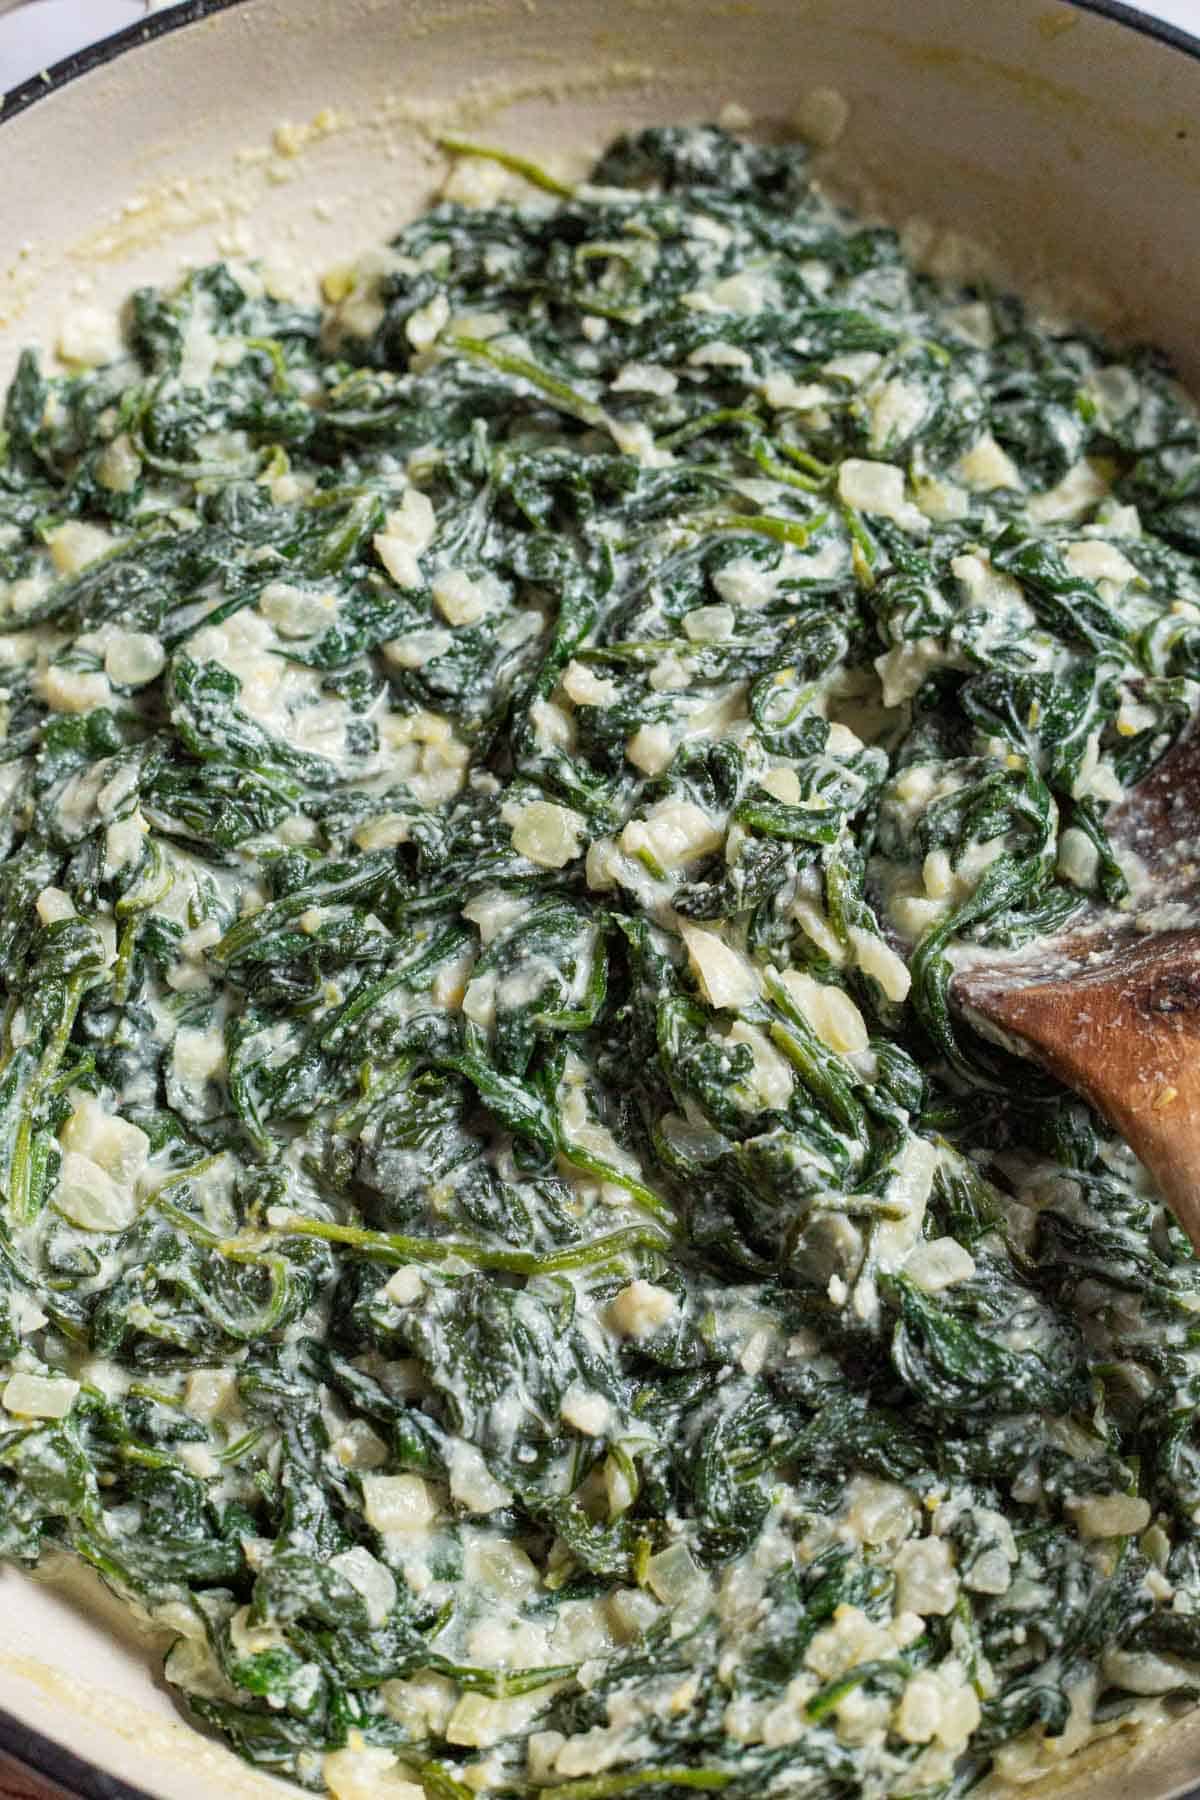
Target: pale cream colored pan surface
[{"x": 302, "y": 132}]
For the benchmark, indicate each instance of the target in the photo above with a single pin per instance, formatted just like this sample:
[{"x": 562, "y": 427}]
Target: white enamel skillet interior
[{"x": 1065, "y": 137}]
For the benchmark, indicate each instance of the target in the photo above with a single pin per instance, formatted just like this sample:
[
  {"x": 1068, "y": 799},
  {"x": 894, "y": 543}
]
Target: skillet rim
[
  {"x": 190, "y": 12},
  {"x": 77, "y": 1778}
]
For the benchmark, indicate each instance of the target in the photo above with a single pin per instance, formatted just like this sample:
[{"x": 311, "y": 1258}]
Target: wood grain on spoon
[{"x": 1114, "y": 1009}]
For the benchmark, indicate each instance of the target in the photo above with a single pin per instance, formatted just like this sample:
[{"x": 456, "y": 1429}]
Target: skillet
[{"x": 1061, "y": 135}]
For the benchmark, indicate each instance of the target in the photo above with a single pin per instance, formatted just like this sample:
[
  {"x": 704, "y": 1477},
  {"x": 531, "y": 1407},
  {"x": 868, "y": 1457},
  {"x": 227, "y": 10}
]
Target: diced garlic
[
  {"x": 39, "y": 1396},
  {"x": 358, "y": 1447},
  {"x": 406, "y": 1286},
  {"x": 651, "y": 749},
  {"x": 541, "y": 1751},
  {"x": 640, "y": 1309},
  {"x": 553, "y": 726},
  {"x": 986, "y": 466},
  {"x": 783, "y": 394},
  {"x": 367, "y": 1772},
  {"x": 1109, "y": 1515},
  {"x": 719, "y": 355},
  {"x": 371, "y": 1578},
  {"x": 772, "y": 1078},
  {"x": 408, "y": 532},
  {"x": 545, "y": 833},
  {"x": 903, "y": 669},
  {"x": 472, "y": 1483},
  {"x": 383, "y": 833},
  {"x": 464, "y": 599},
  {"x": 1081, "y": 488},
  {"x": 672, "y": 1575},
  {"x": 479, "y": 1722},
  {"x": 816, "y": 926},
  {"x": 119, "y": 465},
  {"x": 208, "y": 1393},
  {"x": 479, "y": 1001},
  {"x": 782, "y": 784},
  {"x": 746, "y": 291},
  {"x": 926, "y": 1582},
  {"x": 644, "y": 378},
  {"x": 198, "y": 1055},
  {"x": 632, "y": 1612},
  {"x": 123, "y": 841},
  {"x": 709, "y": 624},
  {"x": 880, "y": 961},
  {"x": 72, "y": 690},
  {"x": 88, "y": 1196},
  {"x": 935, "y": 1707},
  {"x": 449, "y": 986},
  {"x": 493, "y": 911},
  {"x": 992, "y": 590},
  {"x": 744, "y": 582},
  {"x": 1078, "y": 858},
  {"x": 673, "y": 833},
  {"x": 584, "y": 687},
  {"x": 1097, "y": 561},
  {"x": 586, "y": 1410},
  {"x": 88, "y": 337},
  {"x": 297, "y": 612},
  {"x": 878, "y": 487},
  {"x": 400, "y": 1503},
  {"x": 416, "y": 648},
  {"x": 727, "y": 979},
  {"x": 897, "y": 409},
  {"x": 879, "y": 1513},
  {"x": 423, "y": 325},
  {"x": 53, "y": 905},
  {"x": 133, "y": 658},
  {"x": 853, "y": 366},
  {"x": 75, "y": 544},
  {"x": 938, "y": 1263},
  {"x": 941, "y": 501},
  {"x": 830, "y": 1011},
  {"x": 121, "y": 1149}
]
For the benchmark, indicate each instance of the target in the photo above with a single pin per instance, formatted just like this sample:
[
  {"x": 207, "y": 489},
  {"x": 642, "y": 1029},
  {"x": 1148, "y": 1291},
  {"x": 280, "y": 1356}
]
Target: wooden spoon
[{"x": 1112, "y": 1007}]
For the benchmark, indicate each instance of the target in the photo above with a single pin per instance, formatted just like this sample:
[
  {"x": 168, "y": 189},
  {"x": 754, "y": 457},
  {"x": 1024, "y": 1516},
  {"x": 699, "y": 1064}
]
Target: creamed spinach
[{"x": 507, "y": 1253}]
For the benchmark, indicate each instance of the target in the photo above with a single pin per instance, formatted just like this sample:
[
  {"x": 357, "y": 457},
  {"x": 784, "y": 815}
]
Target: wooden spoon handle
[{"x": 1126, "y": 1035}]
